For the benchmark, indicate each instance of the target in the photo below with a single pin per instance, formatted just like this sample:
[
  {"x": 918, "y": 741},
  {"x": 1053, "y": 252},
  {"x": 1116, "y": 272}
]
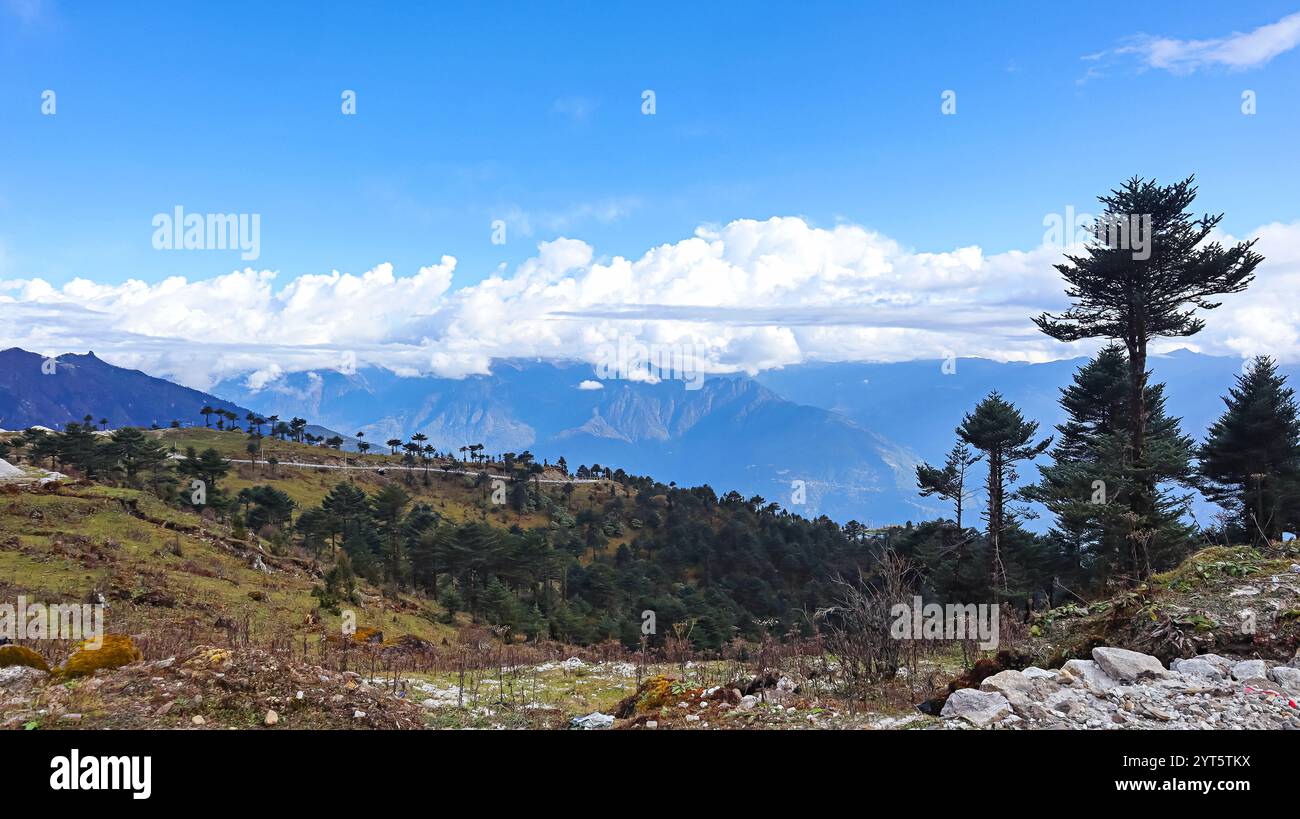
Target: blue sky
[
  {"x": 531, "y": 113},
  {"x": 841, "y": 214}
]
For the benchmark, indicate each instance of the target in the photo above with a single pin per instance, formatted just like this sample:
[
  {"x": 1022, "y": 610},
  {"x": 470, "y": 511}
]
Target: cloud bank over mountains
[{"x": 754, "y": 294}]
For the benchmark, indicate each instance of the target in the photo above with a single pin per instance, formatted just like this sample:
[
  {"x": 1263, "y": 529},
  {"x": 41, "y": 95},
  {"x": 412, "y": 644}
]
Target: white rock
[
  {"x": 976, "y": 707},
  {"x": 1094, "y": 678},
  {"x": 748, "y": 702},
  {"x": 1004, "y": 681},
  {"x": 1222, "y": 662},
  {"x": 1246, "y": 669},
  {"x": 1287, "y": 677},
  {"x": 20, "y": 676},
  {"x": 1199, "y": 667},
  {"x": 1035, "y": 673},
  {"x": 1126, "y": 666},
  {"x": 593, "y": 721}
]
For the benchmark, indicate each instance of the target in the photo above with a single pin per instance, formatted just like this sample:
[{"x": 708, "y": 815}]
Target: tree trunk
[
  {"x": 995, "y": 516},
  {"x": 1143, "y": 500},
  {"x": 961, "y": 490}
]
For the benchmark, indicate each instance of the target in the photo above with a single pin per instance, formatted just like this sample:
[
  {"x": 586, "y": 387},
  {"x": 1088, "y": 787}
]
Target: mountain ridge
[{"x": 843, "y": 446}]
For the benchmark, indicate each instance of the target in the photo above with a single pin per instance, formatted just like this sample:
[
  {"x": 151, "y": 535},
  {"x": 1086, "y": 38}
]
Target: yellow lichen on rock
[
  {"x": 116, "y": 651},
  {"x": 209, "y": 657},
  {"x": 658, "y": 690},
  {"x": 22, "y": 655}
]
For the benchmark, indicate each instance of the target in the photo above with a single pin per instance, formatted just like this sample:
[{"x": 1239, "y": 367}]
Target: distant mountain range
[
  {"x": 70, "y": 387},
  {"x": 732, "y": 433},
  {"x": 852, "y": 433}
]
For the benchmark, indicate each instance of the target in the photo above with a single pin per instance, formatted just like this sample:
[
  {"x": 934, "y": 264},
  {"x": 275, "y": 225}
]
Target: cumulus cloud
[
  {"x": 1237, "y": 51},
  {"x": 742, "y": 297}
]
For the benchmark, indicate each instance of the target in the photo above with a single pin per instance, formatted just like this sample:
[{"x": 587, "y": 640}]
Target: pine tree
[
  {"x": 1090, "y": 483},
  {"x": 1251, "y": 459},
  {"x": 997, "y": 429},
  {"x": 1134, "y": 296},
  {"x": 949, "y": 482}
]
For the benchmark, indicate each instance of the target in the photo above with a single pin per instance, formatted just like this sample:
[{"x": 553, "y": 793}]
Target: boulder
[
  {"x": 20, "y": 677},
  {"x": 1225, "y": 665},
  {"x": 1127, "y": 666},
  {"x": 1287, "y": 677},
  {"x": 1036, "y": 673},
  {"x": 1247, "y": 669},
  {"x": 1094, "y": 678},
  {"x": 1199, "y": 667},
  {"x": 1022, "y": 690},
  {"x": 976, "y": 707},
  {"x": 593, "y": 721},
  {"x": 1004, "y": 681}
]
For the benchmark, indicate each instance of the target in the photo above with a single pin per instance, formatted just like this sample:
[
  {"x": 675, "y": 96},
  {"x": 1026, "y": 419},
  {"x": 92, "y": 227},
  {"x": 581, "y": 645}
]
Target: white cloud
[
  {"x": 753, "y": 294},
  {"x": 1237, "y": 51},
  {"x": 591, "y": 385}
]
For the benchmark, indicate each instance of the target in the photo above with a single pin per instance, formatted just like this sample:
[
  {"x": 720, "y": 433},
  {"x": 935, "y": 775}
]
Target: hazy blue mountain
[
  {"x": 852, "y": 433},
  {"x": 918, "y": 406},
  {"x": 81, "y": 385},
  {"x": 733, "y": 433}
]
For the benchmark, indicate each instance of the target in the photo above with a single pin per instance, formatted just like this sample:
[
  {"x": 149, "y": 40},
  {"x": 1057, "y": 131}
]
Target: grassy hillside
[
  {"x": 577, "y": 560},
  {"x": 164, "y": 571}
]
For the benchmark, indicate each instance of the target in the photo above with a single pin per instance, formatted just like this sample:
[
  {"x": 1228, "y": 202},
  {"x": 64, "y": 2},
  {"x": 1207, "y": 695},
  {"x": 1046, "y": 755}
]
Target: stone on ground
[
  {"x": 976, "y": 707},
  {"x": 1246, "y": 669},
  {"x": 1199, "y": 667},
  {"x": 1287, "y": 677},
  {"x": 1094, "y": 678},
  {"x": 1127, "y": 666}
]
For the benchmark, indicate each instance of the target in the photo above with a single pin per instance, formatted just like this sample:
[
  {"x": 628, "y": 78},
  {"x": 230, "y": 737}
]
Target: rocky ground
[
  {"x": 247, "y": 688},
  {"x": 208, "y": 688},
  {"x": 1122, "y": 689}
]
